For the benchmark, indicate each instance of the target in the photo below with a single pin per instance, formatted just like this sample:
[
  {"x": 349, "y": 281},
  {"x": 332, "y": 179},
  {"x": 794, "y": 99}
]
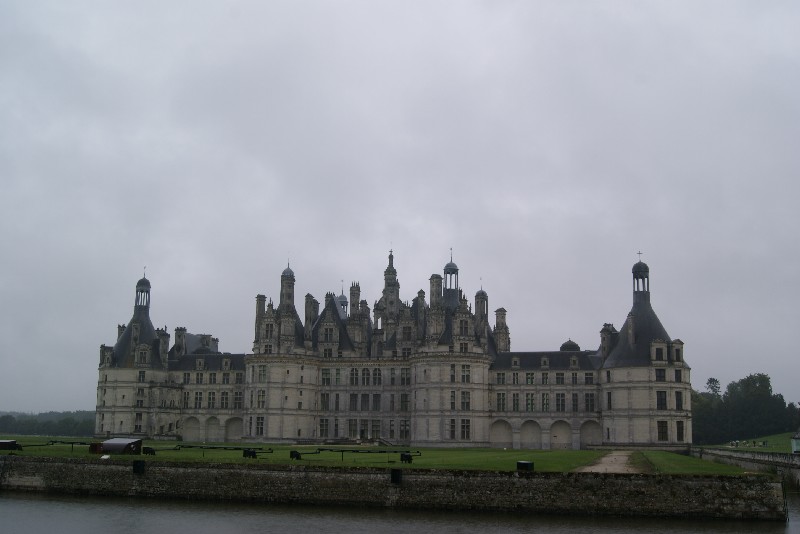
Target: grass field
[
  {"x": 429, "y": 458},
  {"x": 776, "y": 443}
]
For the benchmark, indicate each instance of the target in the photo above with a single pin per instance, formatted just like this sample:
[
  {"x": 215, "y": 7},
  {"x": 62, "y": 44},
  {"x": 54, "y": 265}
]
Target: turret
[{"x": 287, "y": 289}]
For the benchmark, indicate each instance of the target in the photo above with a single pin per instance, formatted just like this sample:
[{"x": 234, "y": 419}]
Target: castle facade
[{"x": 426, "y": 373}]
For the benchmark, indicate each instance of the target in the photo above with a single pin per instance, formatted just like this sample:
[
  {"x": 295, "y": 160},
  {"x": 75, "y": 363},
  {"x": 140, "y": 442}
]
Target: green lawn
[
  {"x": 670, "y": 463},
  {"x": 776, "y": 443},
  {"x": 428, "y": 458}
]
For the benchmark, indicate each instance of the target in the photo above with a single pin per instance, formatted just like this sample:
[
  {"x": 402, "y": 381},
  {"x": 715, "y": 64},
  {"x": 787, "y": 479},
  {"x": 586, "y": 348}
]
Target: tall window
[
  {"x": 452, "y": 372},
  {"x": 376, "y": 402},
  {"x": 678, "y": 375},
  {"x": 198, "y": 378},
  {"x": 260, "y": 425},
  {"x": 223, "y": 400},
  {"x": 376, "y": 377},
  {"x": 405, "y": 429},
  {"x": 662, "y": 430},
  {"x": 262, "y": 398},
  {"x": 588, "y": 400},
  {"x": 678, "y": 400},
  {"x": 212, "y": 399},
  {"x": 327, "y": 334},
  {"x": 405, "y": 376},
  {"x": 545, "y": 378},
  {"x": 198, "y": 399},
  {"x": 451, "y": 429},
  {"x": 404, "y": 404},
  {"x": 326, "y": 377},
  {"x": 545, "y": 402},
  {"x": 142, "y": 376},
  {"x": 353, "y": 377},
  {"x": 186, "y": 378},
  {"x": 661, "y": 375},
  {"x": 515, "y": 402},
  {"x": 561, "y": 402},
  {"x": 463, "y": 327},
  {"x": 501, "y": 378},
  {"x": 353, "y": 402},
  {"x": 238, "y": 400},
  {"x": 465, "y": 400},
  {"x": 465, "y": 429},
  {"x": 262, "y": 374},
  {"x": 226, "y": 378},
  {"x": 679, "y": 430},
  {"x": 365, "y": 377},
  {"x": 325, "y": 401},
  {"x": 530, "y": 402},
  {"x": 608, "y": 400},
  {"x": 465, "y": 372},
  {"x": 501, "y": 402},
  {"x": 588, "y": 379},
  {"x": 212, "y": 378},
  {"x": 323, "y": 428},
  {"x": 406, "y": 333},
  {"x": 530, "y": 378},
  {"x": 560, "y": 378},
  {"x": 661, "y": 400},
  {"x": 574, "y": 402},
  {"x": 365, "y": 402},
  {"x": 574, "y": 379},
  {"x": 515, "y": 378},
  {"x": 452, "y": 400}
]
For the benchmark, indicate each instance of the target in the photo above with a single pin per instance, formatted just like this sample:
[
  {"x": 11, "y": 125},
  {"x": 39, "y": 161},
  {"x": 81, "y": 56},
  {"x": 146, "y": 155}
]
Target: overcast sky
[{"x": 545, "y": 142}]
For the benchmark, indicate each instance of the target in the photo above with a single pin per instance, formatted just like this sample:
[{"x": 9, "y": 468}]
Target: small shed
[
  {"x": 796, "y": 443},
  {"x": 9, "y": 445},
  {"x": 122, "y": 446}
]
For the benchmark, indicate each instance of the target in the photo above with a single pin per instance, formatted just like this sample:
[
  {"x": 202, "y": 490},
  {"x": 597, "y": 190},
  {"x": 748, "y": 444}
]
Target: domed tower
[
  {"x": 451, "y": 289},
  {"x": 287, "y": 288},
  {"x": 645, "y": 383},
  {"x": 136, "y": 344}
]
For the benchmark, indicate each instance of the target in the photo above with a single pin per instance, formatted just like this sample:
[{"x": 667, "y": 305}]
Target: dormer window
[
  {"x": 226, "y": 364},
  {"x": 515, "y": 362},
  {"x": 573, "y": 362},
  {"x": 199, "y": 364},
  {"x": 677, "y": 355},
  {"x": 659, "y": 354},
  {"x": 545, "y": 362},
  {"x": 142, "y": 356}
]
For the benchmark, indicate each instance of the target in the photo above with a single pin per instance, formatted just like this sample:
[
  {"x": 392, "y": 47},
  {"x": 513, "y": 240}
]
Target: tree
[
  {"x": 712, "y": 386},
  {"x": 752, "y": 409}
]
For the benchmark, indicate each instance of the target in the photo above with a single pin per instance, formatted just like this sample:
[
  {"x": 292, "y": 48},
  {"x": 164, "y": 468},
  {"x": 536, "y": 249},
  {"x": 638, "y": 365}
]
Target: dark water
[{"x": 34, "y": 514}]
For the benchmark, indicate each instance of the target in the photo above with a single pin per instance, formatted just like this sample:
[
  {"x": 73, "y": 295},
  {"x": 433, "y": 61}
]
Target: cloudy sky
[{"x": 545, "y": 142}]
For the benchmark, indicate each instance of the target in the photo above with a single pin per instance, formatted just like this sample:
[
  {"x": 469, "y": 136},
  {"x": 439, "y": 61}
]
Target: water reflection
[{"x": 70, "y": 515}]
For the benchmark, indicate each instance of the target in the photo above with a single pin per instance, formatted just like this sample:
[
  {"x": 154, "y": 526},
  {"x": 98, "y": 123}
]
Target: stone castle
[{"x": 428, "y": 373}]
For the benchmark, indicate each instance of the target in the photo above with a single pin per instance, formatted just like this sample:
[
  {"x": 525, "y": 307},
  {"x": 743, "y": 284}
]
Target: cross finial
[
  {"x": 640, "y": 255},
  {"x": 145, "y": 272},
  {"x": 451, "y": 254}
]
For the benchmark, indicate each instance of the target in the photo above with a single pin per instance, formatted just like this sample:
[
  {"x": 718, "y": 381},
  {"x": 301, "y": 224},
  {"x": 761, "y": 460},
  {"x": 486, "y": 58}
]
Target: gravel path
[{"x": 613, "y": 462}]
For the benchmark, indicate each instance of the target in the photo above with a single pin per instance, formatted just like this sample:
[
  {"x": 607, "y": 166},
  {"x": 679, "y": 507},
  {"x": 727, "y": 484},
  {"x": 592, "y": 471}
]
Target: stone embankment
[
  {"x": 746, "y": 497},
  {"x": 787, "y": 466}
]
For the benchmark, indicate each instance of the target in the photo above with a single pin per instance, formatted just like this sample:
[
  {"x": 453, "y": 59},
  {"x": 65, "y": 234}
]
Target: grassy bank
[{"x": 368, "y": 456}]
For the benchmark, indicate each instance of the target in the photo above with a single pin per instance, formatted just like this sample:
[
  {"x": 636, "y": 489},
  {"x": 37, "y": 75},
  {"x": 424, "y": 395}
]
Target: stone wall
[
  {"x": 750, "y": 497},
  {"x": 787, "y": 466}
]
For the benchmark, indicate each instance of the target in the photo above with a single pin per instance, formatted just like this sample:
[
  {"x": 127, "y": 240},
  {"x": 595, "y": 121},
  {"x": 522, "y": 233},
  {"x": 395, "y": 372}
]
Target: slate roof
[
  {"x": 557, "y": 361},
  {"x": 632, "y": 348}
]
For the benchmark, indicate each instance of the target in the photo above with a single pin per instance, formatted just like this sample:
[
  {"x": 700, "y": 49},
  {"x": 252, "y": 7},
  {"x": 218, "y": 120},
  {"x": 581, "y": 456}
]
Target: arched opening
[
  {"x": 191, "y": 430},
  {"x": 530, "y": 435},
  {"x": 213, "y": 430},
  {"x": 234, "y": 428},
  {"x": 560, "y": 435},
  {"x": 591, "y": 434},
  {"x": 500, "y": 434}
]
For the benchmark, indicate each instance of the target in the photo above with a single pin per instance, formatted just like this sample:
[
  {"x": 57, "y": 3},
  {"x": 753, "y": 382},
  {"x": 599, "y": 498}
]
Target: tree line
[
  {"x": 748, "y": 409},
  {"x": 78, "y": 423}
]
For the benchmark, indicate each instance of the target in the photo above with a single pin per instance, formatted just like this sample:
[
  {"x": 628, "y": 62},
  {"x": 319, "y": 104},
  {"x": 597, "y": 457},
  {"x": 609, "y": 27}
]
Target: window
[
  {"x": 679, "y": 430},
  {"x": 515, "y": 402},
  {"x": 226, "y": 378},
  {"x": 661, "y": 375},
  {"x": 574, "y": 379},
  {"x": 260, "y": 425},
  {"x": 336, "y": 402},
  {"x": 659, "y": 354},
  {"x": 545, "y": 362},
  {"x": 262, "y": 398},
  {"x": 185, "y": 399},
  {"x": 352, "y": 428},
  {"x": 452, "y": 400},
  {"x": 238, "y": 400},
  {"x": 240, "y": 378},
  {"x": 140, "y": 403},
  {"x": 677, "y": 355},
  {"x": 501, "y": 378},
  {"x": 465, "y": 400},
  {"x": 678, "y": 375},
  {"x": 561, "y": 402},
  {"x": 353, "y": 402},
  {"x": 588, "y": 379},
  {"x": 198, "y": 399},
  {"x": 327, "y": 334},
  {"x": 270, "y": 330},
  {"x": 406, "y": 333},
  {"x": 678, "y": 400},
  {"x": 198, "y": 378},
  {"x": 376, "y": 377},
  {"x": 391, "y": 428},
  {"x": 324, "y": 401},
  {"x": 463, "y": 327},
  {"x": 662, "y": 430},
  {"x": 574, "y": 402},
  {"x": 451, "y": 429},
  {"x": 262, "y": 374},
  {"x": 187, "y": 378},
  {"x": 323, "y": 428},
  {"x": 326, "y": 377},
  {"x": 530, "y": 402},
  {"x": 530, "y": 378},
  {"x": 327, "y": 352},
  {"x": 376, "y": 402},
  {"x": 405, "y": 429},
  {"x": 545, "y": 378},
  {"x": 463, "y": 348},
  {"x": 212, "y": 378},
  {"x": 608, "y": 400},
  {"x": 338, "y": 379},
  {"x": 365, "y": 402},
  {"x": 365, "y": 377},
  {"x": 452, "y": 372},
  {"x": 465, "y": 429},
  {"x": 608, "y": 376},
  {"x": 142, "y": 356},
  {"x": 392, "y": 376},
  {"x": 560, "y": 379},
  {"x": 661, "y": 400},
  {"x": 141, "y": 376},
  {"x": 405, "y": 376},
  {"x": 545, "y": 402},
  {"x": 353, "y": 377},
  {"x": 404, "y": 404},
  {"x": 137, "y": 427},
  {"x": 268, "y": 349},
  {"x": 501, "y": 402},
  {"x": 465, "y": 372},
  {"x": 588, "y": 401},
  {"x": 223, "y": 400}
]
